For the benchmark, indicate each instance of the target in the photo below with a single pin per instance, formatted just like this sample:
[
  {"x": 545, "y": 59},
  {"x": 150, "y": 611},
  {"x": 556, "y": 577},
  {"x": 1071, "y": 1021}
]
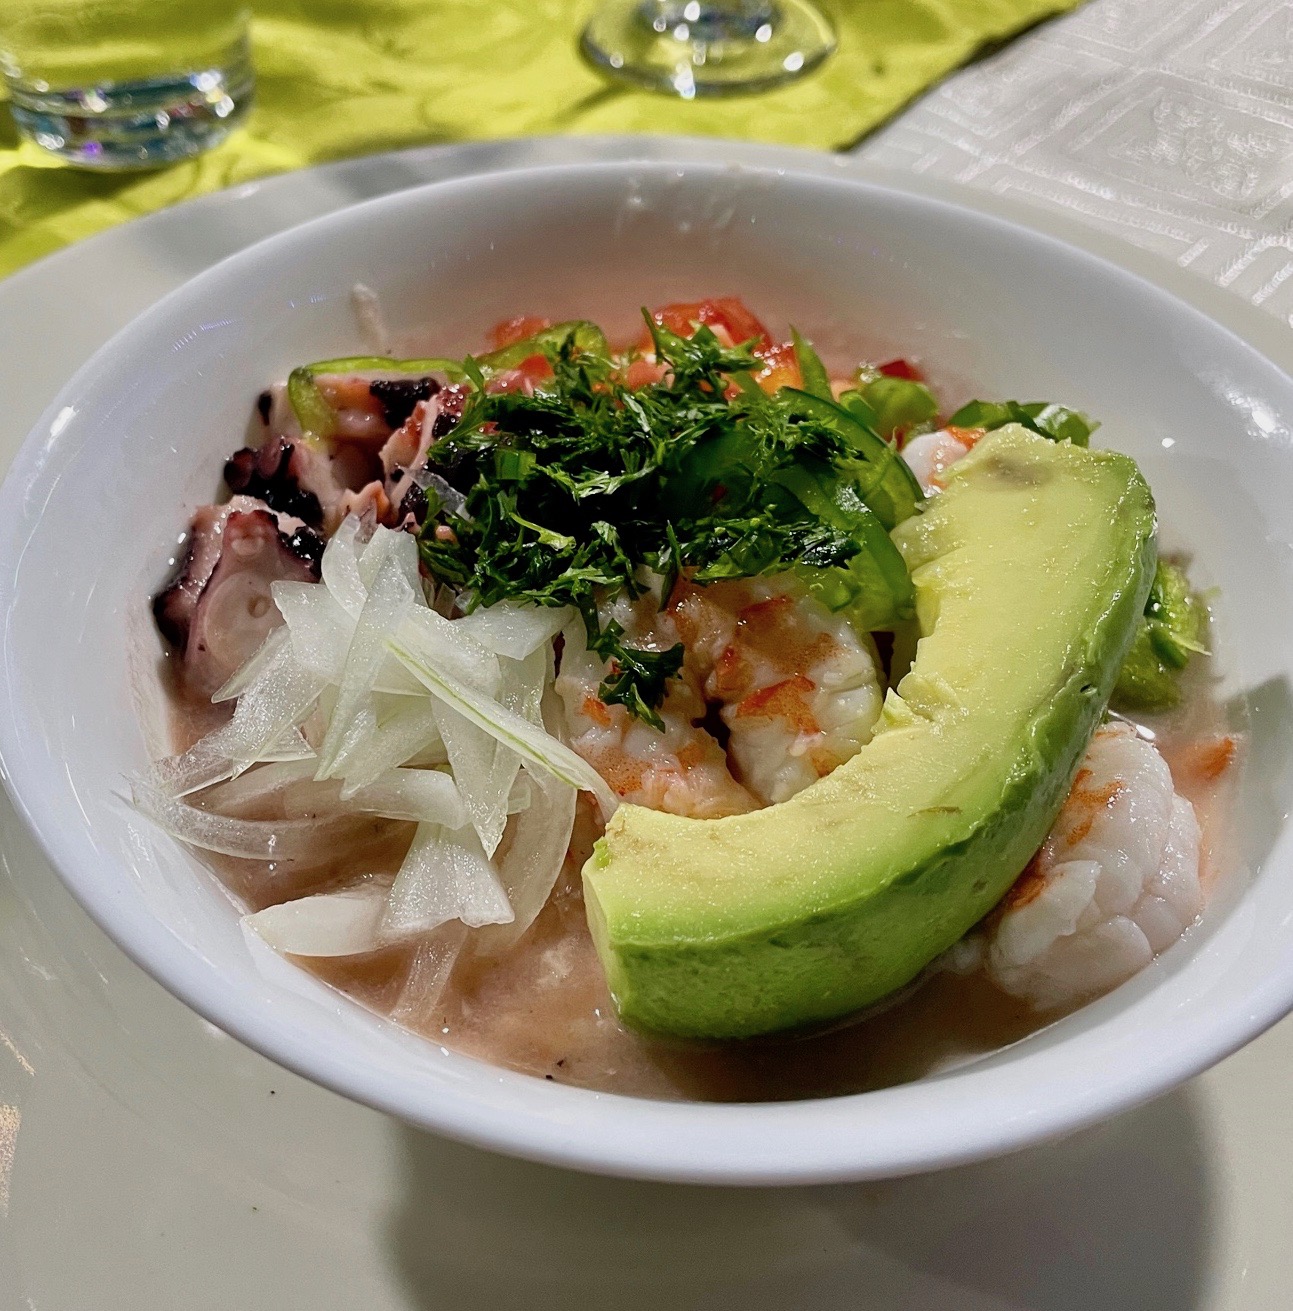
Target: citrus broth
[{"x": 543, "y": 1008}]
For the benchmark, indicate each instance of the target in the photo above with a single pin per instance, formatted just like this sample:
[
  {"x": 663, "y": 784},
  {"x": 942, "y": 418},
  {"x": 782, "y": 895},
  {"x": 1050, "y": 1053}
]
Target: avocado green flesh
[{"x": 1031, "y": 571}]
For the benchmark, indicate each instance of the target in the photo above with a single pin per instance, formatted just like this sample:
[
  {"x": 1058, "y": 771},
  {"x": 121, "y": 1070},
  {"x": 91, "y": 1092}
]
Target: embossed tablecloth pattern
[
  {"x": 349, "y": 77},
  {"x": 1166, "y": 122}
]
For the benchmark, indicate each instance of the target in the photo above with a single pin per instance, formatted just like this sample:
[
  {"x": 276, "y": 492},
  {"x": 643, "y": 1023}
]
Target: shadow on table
[{"x": 1115, "y": 1217}]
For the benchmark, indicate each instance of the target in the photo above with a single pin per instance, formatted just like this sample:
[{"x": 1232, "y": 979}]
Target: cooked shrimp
[
  {"x": 358, "y": 413},
  {"x": 795, "y": 690},
  {"x": 931, "y": 454},
  {"x": 1116, "y": 882}
]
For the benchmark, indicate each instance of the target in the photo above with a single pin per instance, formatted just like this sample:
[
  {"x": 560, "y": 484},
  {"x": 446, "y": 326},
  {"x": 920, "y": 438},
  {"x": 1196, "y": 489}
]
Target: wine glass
[{"x": 708, "y": 47}]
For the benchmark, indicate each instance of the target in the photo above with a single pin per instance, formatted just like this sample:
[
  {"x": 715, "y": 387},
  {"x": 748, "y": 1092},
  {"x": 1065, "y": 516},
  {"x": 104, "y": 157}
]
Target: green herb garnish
[
  {"x": 1169, "y": 633},
  {"x": 573, "y": 492},
  {"x": 1057, "y": 422}
]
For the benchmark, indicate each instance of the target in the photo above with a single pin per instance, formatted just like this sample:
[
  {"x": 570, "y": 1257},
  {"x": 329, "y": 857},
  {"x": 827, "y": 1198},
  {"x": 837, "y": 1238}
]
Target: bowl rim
[{"x": 817, "y": 1140}]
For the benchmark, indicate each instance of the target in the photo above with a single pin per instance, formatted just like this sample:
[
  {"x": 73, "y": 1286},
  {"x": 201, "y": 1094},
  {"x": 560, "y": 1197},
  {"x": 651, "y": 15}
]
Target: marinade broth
[{"x": 542, "y": 1008}]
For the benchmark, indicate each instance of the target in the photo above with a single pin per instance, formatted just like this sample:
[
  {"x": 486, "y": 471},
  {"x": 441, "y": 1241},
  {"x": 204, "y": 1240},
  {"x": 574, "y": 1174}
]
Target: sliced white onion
[
  {"x": 260, "y": 784},
  {"x": 429, "y": 973},
  {"x": 450, "y": 497},
  {"x": 208, "y": 762},
  {"x": 454, "y": 649},
  {"x": 484, "y": 770},
  {"x": 340, "y": 566},
  {"x": 445, "y": 876},
  {"x": 381, "y": 681},
  {"x": 251, "y": 839},
  {"x": 264, "y": 727},
  {"x": 425, "y": 796},
  {"x": 514, "y": 629},
  {"x": 536, "y": 850},
  {"x": 276, "y": 701},
  {"x": 342, "y": 923},
  {"x": 240, "y": 679},
  {"x": 391, "y": 596},
  {"x": 385, "y": 544},
  {"x": 522, "y": 683},
  {"x": 526, "y": 739},
  {"x": 406, "y": 735},
  {"x": 434, "y": 756},
  {"x": 521, "y": 795},
  {"x": 320, "y": 627}
]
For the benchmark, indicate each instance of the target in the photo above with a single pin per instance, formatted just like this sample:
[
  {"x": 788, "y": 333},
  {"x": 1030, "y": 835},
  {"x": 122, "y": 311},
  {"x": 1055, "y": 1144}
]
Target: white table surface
[{"x": 148, "y": 1161}]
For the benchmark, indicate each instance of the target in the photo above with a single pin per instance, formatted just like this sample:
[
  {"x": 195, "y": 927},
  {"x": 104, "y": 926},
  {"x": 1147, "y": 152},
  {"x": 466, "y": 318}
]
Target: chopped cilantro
[{"x": 573, "y": 490}]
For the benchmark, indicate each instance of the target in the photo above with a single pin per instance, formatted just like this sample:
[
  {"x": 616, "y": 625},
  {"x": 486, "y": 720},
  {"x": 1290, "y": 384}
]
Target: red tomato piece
[
  {"x": 525, "y": 377},
  {"x": 727, "y": 316},
  {"x": 901, "y": 369},
  {"x": 641, "y": 373},
  {"x": 509, "y": 331},
  {"x": 780, "y": 369}
]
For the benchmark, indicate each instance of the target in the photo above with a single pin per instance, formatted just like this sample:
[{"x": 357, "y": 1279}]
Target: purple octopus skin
[
  {"x": 219, "y": 609},
  {"x": 267, "y": 474},
  {"x": 398, "y": 396}
]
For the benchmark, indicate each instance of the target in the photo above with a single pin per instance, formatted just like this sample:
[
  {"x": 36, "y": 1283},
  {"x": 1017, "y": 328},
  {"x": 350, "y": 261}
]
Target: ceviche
[{"x": 686, "y": 715}]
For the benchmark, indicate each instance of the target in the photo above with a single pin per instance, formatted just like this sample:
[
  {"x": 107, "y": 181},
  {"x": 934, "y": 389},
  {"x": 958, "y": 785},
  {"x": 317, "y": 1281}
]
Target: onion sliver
[
  {"x": 340, "y": 566},
  {"x": 278, "y": 700},
  {"x": 314, "y": 840},
  {"x": 512, "y": 629},
  {"x": 208, "y": 762},
  {"x": 425, "y": 796},
  {"x": 528, "y": 740},
  {"x": 328, "y": 924},
  {"x": 242, "y": 678},
  {"x": 384, "y": 544},
  {"x": 320, "y": 627},
  {"x": 407, "y": 734},
  {"x": 259, "y": 784},
  {"x": 429, "y": 973},
  {"x": 445, "y": 876},
  {"x": 484, "y": 771},
  {"x": 454, "y": 649},
  {"x": 521, "y": 795},
  {"x": 354, "y": 717},
  {"x": 536, "y": 850}
]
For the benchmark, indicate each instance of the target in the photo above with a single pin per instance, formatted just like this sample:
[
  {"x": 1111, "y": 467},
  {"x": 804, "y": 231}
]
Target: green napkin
[{"x": 348, "y": 77}]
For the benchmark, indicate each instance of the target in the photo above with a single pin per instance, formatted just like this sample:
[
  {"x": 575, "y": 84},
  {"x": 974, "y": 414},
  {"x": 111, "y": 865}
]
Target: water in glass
[{"x": 125, "y": 83}]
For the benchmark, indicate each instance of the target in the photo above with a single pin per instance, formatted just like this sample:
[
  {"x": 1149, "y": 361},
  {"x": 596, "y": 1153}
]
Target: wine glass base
[{"x": 702, "y": 50}]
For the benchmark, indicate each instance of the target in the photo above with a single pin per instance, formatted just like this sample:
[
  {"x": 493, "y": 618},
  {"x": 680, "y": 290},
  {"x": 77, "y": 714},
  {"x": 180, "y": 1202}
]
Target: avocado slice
[{"x": 1031, "y": 571}]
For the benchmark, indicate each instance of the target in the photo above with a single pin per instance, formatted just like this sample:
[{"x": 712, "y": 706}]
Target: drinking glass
[
  {"x": 114, "y": 84},
  {"x": 708, "y": 47}
]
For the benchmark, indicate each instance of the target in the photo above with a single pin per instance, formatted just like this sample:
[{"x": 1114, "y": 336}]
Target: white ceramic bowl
[{"x": 100, "y": 494}]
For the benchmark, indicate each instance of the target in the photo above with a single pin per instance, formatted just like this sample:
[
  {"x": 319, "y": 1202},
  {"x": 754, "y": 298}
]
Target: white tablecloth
[{"x": 1168, "y": 123}]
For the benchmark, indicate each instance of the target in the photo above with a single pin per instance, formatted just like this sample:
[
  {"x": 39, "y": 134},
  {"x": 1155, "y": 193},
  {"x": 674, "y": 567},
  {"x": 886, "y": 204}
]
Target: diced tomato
[
  {"x": 968, "y": 437},
  {"x": 525, "y": 377},
  {"x": 901, "y": 369},
  {"x": 642, "y": 372},
  {"x": 728, "y": 317},
  {"x": 780, "y": 369},
  {"x": 508, "y": 331}
]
